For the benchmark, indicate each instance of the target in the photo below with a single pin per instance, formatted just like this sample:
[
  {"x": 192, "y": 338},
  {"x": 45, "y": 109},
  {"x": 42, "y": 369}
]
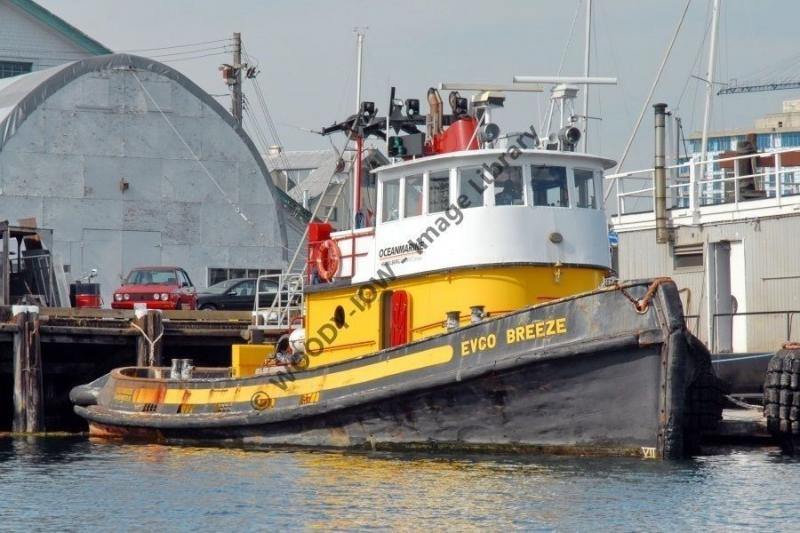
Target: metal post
[
  {"x": 359, "y": 139},
  {"x": 712, "y": 52},
  {"x": 236, "y": 93},
  {"x": 586, "y": 73},
  {"x": 359, "y": 54},
  {"x": 778, "y": 185},
  {"x": 693, "y": 185},
  {"x": 660, "y": 176}
]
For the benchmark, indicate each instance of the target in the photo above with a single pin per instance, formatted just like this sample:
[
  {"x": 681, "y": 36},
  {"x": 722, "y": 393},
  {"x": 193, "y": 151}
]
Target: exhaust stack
[
  {"x": 435, "y": 125},
  {"x": 660, "y": 175}
]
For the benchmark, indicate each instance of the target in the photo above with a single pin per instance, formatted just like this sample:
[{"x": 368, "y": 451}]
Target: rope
[
  {"x": 643, "y": 303},
  {"x": 745, "y": 358},
  {"x": 742, "y": 404},
  {"x": 151, "y": 356}
]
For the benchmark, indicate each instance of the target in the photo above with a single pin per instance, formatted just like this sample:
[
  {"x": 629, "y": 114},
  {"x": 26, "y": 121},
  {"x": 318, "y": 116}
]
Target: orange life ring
[{"x": 328, "y": 258}]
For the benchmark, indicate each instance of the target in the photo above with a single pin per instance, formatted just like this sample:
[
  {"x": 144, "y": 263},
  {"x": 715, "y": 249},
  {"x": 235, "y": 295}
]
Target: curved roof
[{"x": 20, "y": 96}]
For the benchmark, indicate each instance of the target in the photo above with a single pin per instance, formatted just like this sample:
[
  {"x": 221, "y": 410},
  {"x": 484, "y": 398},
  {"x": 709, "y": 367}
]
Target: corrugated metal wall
[
  {"x": 771, "y": 273},
  {"x": 70, "y": 160}
]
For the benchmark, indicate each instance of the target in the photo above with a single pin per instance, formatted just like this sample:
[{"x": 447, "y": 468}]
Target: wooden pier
[{"x": 44, "y": 352}]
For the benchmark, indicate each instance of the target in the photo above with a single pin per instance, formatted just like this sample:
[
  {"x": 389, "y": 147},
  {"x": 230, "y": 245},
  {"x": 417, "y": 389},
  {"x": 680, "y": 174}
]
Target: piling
[
  {"x": 151, "y": 329},
  {"x": 27, "y": 364}
]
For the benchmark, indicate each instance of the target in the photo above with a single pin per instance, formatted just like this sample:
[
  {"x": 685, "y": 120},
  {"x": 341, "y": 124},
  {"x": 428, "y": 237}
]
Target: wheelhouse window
[
  {"x": 549, "y": 186},
  {"x": 584, "y": 187},
  {"x": 471, "y": 185},
  {"x": 413, "y": 191},
  {"x": 391, "y": 201},
  {"x": 508, "y": 187},
  {"x": 438, "y": 191}
]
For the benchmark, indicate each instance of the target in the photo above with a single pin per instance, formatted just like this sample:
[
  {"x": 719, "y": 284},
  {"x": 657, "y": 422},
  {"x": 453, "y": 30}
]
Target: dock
[
  {"x": 44, "y": 352},
  {"x": 743, "y": 426}
]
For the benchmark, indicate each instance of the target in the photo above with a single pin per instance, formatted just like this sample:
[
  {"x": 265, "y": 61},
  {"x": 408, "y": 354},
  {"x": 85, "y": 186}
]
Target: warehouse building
[{"x": 130, "y": 163}]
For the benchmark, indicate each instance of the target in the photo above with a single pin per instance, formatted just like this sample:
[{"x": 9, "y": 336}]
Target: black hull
[{"x": 623, "y": 393}]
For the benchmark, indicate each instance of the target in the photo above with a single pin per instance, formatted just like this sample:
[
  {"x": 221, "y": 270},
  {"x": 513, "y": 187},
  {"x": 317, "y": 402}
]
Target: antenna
[{"x": 563, "y": 94}]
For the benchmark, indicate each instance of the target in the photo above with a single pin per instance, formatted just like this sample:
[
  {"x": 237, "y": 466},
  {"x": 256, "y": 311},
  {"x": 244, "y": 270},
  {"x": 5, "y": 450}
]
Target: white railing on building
[{"x": 695, "y": 184}]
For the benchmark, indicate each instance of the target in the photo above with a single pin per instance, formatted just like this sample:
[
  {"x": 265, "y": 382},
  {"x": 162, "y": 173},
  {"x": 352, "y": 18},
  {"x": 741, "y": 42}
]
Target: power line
[
  {"x": 177, "y": 46},
  {"x": 190, "y": 52},
  {"x": 191, "y": 57}
]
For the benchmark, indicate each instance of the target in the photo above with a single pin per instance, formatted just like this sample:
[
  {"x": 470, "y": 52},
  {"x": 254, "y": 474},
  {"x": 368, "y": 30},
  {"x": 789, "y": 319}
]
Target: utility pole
[{"x": 236, "y": 87}]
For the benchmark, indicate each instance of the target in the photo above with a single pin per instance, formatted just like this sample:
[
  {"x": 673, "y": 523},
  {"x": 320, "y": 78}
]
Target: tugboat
[{"x": 475, "y": 312}]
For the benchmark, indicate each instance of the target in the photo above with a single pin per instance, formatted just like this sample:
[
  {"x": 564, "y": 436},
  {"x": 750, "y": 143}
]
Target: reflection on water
[{"x": 62, "y": 483}]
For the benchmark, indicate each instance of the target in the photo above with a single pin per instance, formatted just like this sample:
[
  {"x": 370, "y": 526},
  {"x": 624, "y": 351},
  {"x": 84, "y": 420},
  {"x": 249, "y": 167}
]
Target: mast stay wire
[
  {"x": 547, "y": 119},
  {"x": 210, "y": 176},
  {"x": 649, "y": 96}
]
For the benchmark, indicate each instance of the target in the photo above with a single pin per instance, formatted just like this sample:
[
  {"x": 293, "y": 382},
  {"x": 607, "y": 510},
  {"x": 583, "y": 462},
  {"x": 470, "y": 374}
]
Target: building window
[
  {"x": 790, "y": 139},
  {"x": 332, "y": 214},
  {"x": 549, "y": 186},
  {"x": 438, "y": 191},
  {"x": 14, "y": 68},
  {"x": 687, "y": 257},
  {"x": 217, "y": 275}
]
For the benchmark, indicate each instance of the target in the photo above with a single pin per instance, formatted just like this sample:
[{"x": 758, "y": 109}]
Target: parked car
[
  {"x": 238, "y": 294},
  {"x": 159, "y": 287}
]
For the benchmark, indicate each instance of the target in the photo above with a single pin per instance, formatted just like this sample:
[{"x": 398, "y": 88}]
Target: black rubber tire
[{"x": 208, "y": 307}]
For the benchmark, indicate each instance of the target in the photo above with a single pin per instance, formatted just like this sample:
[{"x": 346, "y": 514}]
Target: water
[{"x": 69, "y": 484}]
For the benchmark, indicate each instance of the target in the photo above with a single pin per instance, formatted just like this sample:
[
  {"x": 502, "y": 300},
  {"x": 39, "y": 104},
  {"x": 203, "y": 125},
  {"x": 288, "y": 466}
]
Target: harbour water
[{"x": 69, "y": 484}]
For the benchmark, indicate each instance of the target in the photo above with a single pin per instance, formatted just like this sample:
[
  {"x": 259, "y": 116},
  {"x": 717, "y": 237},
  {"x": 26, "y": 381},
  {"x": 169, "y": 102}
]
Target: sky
[{"x": 306, "y": 49}]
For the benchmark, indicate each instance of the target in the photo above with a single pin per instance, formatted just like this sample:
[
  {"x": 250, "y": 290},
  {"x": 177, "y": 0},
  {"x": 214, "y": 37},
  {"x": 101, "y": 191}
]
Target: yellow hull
[{"x": 499, "y": 289}]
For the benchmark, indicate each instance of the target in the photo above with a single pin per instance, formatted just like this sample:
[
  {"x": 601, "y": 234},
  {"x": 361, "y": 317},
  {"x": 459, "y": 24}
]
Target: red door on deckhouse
[{"x": 395, "y": 318}]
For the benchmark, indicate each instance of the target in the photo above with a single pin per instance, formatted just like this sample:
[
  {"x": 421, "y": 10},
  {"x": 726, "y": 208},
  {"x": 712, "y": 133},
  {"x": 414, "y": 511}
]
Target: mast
[
  {"x": 712, "y": 53},
  {"x": 359, "y": 138},
  {"x": 586, "y": 74}
]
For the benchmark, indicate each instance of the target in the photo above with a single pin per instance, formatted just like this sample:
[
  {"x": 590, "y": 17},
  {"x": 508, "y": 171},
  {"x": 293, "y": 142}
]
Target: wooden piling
[
  {"x": 28, "y": 398},
  {"x": 153, "y": 328}
]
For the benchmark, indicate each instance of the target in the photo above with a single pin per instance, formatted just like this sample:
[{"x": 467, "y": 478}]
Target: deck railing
[{"x": 695, "y": 184}]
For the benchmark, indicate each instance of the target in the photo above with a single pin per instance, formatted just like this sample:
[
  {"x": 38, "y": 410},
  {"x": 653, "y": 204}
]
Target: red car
[{"x": 158, "y": 287}]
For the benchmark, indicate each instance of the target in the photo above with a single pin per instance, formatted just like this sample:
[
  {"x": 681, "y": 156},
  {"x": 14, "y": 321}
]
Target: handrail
[
  {"x": 713, "y": 341},
  {"x": 285, "y": 307},
  {"x": 700, "y": 186}
]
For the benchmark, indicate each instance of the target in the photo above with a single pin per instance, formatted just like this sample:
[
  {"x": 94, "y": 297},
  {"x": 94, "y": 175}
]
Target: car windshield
[
  {"x": 222, "y": 286},
  {"x": 152, "y": 277}
]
